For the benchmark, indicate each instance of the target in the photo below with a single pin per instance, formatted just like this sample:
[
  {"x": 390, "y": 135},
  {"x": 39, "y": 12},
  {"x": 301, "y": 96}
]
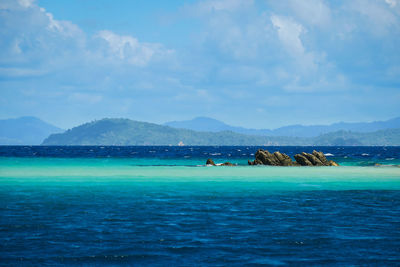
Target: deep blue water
[
  {"x": 50, "y": 215},
  {"x": 362, "y": 156}
]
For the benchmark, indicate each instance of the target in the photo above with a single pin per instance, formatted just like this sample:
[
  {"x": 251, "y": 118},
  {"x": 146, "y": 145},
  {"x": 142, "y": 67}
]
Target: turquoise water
[
  {"x": 172, "y": 209},
  {"x": 191, "y": 172}
]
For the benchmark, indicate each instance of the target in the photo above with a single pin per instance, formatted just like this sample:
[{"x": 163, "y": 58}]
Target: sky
[{"x": 258, "y": 64}]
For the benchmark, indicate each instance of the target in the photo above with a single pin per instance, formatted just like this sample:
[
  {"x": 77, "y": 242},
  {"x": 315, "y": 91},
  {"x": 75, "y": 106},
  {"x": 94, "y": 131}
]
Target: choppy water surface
[{"x": 129, "y": 205}]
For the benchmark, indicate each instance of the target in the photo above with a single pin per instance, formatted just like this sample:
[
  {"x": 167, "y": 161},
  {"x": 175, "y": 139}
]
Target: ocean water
[{"x": 161, "y": 205}]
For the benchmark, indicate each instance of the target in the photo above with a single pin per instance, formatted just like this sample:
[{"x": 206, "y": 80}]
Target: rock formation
[
  {"x": 264, "y": 157},
  {"x": 211, "y": 162}
]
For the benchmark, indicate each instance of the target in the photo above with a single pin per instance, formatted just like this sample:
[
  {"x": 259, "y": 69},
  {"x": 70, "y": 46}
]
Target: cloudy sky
[{"x": 260, "y": 64}]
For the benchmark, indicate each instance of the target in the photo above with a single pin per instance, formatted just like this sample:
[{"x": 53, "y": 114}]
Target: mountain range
[
  {"x": 212, "y": 125},
  {"x": 199, "y": 131},
  {"x": 25, "y": 131},
  {"x": 128, "y": 132}
]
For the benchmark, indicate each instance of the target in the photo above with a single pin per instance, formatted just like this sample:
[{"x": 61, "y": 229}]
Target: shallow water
[{"x": 146, "y": 210}]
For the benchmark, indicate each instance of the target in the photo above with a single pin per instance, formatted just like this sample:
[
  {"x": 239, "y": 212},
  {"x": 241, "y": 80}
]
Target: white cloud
[
  {"x": 391, "y": 3},
  {"x": 130, "y": 49},
  {"x": 314, "y": 12},
  {"x": 33, "y": 36},
  {"x": 239, "y": 51},
  {"x": 26, "y": 3},
  {"x": 376, "y": 17},
  {"x": 289, "y": 33},
  {"x": 16, "y": 4}
]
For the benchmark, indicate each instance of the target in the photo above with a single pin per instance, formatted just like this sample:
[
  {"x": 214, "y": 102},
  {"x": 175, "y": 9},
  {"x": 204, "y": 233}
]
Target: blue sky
[{"x": 259, "y": 64}]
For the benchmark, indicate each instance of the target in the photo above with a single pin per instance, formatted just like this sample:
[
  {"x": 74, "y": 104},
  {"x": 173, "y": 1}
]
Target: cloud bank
[{"x": 251, "y": 63}]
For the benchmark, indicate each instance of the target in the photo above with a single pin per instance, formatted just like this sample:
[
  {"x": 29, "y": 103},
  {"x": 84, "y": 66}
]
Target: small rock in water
[
  {"x": 210, "y": 162},
  {"x": 332, "y": 163},
  {"x": 226, "y": 164}
]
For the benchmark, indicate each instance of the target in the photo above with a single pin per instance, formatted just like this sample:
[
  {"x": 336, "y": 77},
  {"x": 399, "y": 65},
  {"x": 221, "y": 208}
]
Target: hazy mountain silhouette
[
  {"x": 25, "y": 131},
  {"x": 213, "y": 125}
]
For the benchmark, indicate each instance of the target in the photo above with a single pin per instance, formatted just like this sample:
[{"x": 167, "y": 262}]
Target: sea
[{"x": 162, "y": 206}]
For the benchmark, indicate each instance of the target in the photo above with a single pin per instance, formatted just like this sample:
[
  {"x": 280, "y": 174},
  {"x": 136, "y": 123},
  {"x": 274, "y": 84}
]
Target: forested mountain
[{"x": 128, "y": 132}]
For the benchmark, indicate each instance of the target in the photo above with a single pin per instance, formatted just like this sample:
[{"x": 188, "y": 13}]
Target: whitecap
[
  {"x": 215, "y": 154},
  {"x": 364, "y": 154},
  {"x": 328, "y": 154}
]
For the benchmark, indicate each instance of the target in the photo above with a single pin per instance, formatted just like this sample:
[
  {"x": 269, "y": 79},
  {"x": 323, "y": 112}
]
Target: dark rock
[
  {"x": 321, "y": 157},
  {"x": 283, "y": 159},
  {"x": 258, "y": 162},
  {"x": 255, "y": 162},
  {"x": 263, "y": 157},
  {"x": 302, "y": 160},
  {"x": 332, "y": 163},
  {"x": 210, "y": 162},
  {"x": 267, "y": 158},
  {"x": 313, "y": 159}
]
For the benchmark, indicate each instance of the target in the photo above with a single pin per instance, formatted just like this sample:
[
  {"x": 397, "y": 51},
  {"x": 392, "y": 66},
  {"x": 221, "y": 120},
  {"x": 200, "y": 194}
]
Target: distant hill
[
  {"x": 129, "y": 132},
  {"x": 205, "y": 124},
  {"x": 388, "y": 137},
  {"x": 212, "y": 125},
  {"x": 25, "y": 131}
]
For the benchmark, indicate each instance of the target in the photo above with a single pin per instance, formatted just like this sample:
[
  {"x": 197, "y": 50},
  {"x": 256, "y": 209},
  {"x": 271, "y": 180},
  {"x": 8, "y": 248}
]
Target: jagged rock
[
  {"x": 332, "y": 163},
  {"x": 257, "y": 162},
  {"x": 266, "y": 158},
  {"x": 226, "y": 164},
  {"x": 302, "y": 160},
  {"x": 210, "y": 162},
  {"x": 313, "y": 159},
  {"x": 254, "y": 162},
  {"x": 283, "y": 158},
  {"x": 321, "y": 157},
  {"x": 263, "y": 157}
]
